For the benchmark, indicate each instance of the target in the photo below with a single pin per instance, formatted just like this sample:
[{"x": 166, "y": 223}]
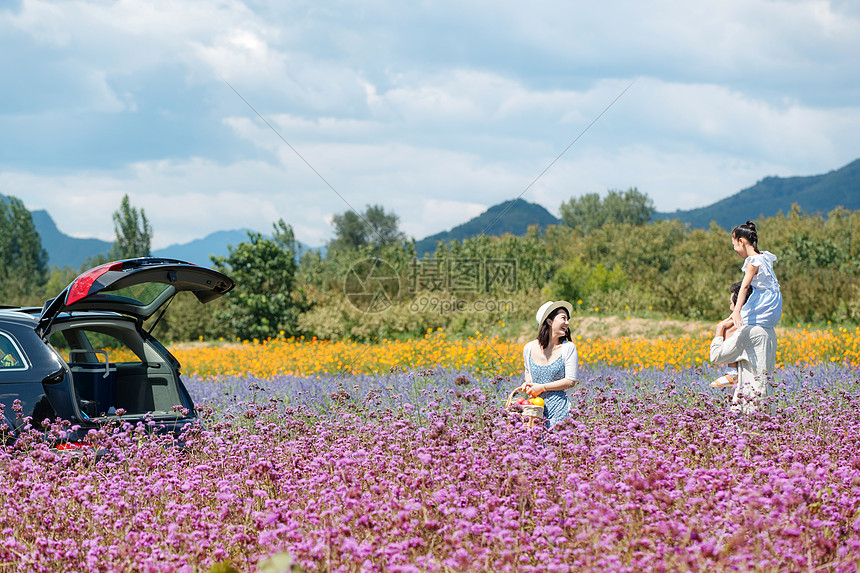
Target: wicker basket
[{"x": 531, "y": 414}]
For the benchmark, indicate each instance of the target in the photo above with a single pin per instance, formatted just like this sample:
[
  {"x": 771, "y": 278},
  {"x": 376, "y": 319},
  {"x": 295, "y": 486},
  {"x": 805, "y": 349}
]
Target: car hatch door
[{"x": 135, "y": 287}]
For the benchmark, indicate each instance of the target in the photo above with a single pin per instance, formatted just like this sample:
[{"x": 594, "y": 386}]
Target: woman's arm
[
  {"x": 538, "y": 389},
  {"x": 527, "y": 375},
  {"x": 571, "y": 365}
]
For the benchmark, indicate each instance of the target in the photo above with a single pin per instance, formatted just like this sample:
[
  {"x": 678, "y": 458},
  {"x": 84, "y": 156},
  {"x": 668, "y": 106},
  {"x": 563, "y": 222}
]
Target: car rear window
[
  {"x": 139, "y": 294},
  {"x": 10, "y": 356}
]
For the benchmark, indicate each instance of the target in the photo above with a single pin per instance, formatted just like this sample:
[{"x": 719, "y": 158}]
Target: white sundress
[{"x": 764, "y": 306}]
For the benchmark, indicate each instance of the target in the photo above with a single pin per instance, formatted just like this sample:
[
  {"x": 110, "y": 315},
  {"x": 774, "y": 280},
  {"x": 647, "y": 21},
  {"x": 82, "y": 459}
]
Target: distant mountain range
[
  {"x": 771, "y": 195},
  {"x": 514, "y": 217},
  {"x": 814, "y": 194},
  {"x": 67, "y": 251},
  {"x": 200, "y": 251},
  {"x": 509, "y": 217},
  {"x": 63, "y": 250}
]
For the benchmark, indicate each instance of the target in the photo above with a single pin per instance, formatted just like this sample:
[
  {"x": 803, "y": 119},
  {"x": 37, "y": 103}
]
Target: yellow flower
[{"x": 310, "y": 357}]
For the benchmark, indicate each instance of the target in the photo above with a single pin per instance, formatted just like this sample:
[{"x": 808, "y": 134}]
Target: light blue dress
[
  {"x": 556, "y": 406},
  {"x": 764, "y": 307}
]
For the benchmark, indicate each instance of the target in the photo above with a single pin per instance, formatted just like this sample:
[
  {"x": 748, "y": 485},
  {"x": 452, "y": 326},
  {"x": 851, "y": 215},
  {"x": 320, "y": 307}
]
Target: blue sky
[{"x": 435, "y": 110}]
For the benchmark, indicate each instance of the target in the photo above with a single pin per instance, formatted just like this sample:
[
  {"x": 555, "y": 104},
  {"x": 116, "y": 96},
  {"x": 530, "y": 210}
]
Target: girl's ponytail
[{"x": 748, "y": 232}]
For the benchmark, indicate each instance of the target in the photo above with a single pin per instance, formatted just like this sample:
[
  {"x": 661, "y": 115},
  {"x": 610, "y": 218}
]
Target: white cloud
[
  {"x": 435, "y": 111},
  {"x": 728, "y": 122},
  {"x": 436, "y": 216},
  {"x": 683, "y": 180},
  {"x": 241, "y": 54}
]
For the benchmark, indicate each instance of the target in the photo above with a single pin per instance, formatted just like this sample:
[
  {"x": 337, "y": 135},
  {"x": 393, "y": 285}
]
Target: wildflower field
[
  {"x": 399, "y": 456},
  {"x": 488, "y": 356}
]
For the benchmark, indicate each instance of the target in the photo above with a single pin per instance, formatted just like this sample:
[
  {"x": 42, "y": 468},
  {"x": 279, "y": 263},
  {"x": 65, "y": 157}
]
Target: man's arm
[
  {"x": 723, "y": 326},
  {"x": 727, "y": 350}
]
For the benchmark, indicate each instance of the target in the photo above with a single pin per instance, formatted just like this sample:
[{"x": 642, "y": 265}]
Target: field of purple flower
[{"x": 425, "y": 471}]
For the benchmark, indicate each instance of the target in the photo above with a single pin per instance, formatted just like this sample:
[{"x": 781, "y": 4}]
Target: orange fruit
[{"x": 537, "y": 401}]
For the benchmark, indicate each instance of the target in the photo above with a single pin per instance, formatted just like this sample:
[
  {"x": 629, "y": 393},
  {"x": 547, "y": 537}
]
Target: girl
[
  {"x": 551, "y": 361},
  {"x": 764, "y": 307}
]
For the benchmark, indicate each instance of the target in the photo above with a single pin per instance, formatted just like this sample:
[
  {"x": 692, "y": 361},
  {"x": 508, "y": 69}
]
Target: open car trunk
[
  {"x": 134, "y": 287},
  {"x": 114, "y": 370},
  {"x": 96, "y": 326}
]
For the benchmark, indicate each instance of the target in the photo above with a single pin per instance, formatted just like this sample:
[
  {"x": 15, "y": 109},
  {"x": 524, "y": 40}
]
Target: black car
[{"x": 85, "y": 356}]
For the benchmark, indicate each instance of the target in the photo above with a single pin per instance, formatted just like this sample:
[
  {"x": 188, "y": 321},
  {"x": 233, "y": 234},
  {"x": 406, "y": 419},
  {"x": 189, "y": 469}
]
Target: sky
[{"x": 221, "y": 115}]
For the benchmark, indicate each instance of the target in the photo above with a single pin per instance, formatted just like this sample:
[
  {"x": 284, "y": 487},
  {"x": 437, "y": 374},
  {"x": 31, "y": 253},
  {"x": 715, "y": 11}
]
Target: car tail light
[
  {"x": 81, "y": 286},
  {"x": 73, "y": 446}
]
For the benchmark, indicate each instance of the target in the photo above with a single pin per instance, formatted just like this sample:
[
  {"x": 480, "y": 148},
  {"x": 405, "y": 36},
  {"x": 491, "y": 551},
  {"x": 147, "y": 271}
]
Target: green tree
[
  {"x": 133, "y": 232},
  {"x": 535, "y": 256},
  {"x": 584, "y": 213},
  {"x": 578, "y": 281},
  {"x": 628, "y": 206},
  {"x": 817, "y": 262},
  {"x": 264, "y": 303},
  {"x": 589, "y": 213},
  {"x": 374, "y": 227},
  {"x": 186, "y": 319},
  {"x": 23, "y": 261},
  {"x": 676, "y": 270}
]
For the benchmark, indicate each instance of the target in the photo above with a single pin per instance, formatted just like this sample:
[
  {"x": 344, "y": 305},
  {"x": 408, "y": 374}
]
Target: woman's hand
[
  {"x": 533, "y": 389},
  {"x": 736, "y": 318}
]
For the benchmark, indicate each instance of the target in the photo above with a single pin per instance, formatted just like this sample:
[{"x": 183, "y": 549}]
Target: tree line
[
  {"x": 606, "y": 256},
  {"x": 26, "y": 279}
]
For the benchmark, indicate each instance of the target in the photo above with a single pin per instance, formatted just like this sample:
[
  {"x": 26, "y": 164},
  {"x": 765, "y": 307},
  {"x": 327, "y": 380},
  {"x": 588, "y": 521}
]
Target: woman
[{"x": 551, "y": 361}]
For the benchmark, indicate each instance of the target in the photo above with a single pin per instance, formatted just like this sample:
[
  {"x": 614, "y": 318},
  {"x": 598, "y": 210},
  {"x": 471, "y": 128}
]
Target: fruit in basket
[
  {"x": 523, "y": 401},
  {"x": 536, "y": 401}
]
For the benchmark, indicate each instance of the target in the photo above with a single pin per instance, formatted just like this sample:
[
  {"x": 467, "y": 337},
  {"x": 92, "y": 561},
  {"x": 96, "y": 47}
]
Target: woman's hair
[
  {"x": 735, "y": 289},
  {"x": 543, "y": 333},
  {"x": 747, "y": 231}
]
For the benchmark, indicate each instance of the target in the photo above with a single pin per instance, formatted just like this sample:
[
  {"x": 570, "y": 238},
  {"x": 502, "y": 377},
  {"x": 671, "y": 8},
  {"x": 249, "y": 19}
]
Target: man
[{"x": 754, "y": 349}]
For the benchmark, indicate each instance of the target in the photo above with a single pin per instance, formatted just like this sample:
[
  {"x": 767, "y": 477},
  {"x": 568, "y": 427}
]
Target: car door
[{"x": 135, "y": 287}]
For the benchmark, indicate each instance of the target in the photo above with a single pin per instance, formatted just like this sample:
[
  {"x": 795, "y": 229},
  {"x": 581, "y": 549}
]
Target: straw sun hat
[{"x": 546, "y": 309}]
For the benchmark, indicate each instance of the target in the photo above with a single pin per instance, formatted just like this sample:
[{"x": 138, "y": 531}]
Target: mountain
[
  {"x": 63, "y": 250},
  {"x": 512, "y": 217},
  {"x": 66, "y": 251},
  {"x": 814, "y": 194},
  {"x": 199, "y": 251}
]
